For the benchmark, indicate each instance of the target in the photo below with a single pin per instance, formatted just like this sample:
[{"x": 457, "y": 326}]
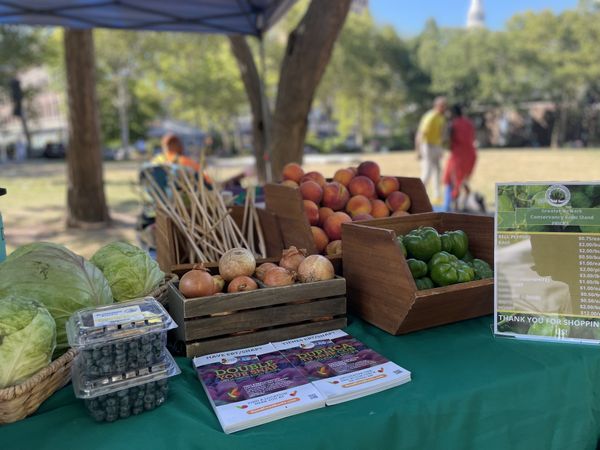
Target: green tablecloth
[{"x": 469, "y": 390}]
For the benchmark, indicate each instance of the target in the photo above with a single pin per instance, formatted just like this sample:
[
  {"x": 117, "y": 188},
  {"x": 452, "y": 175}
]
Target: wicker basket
[
  {"x": 161, "y": 292},
  {"x": 17, "y": 402}
]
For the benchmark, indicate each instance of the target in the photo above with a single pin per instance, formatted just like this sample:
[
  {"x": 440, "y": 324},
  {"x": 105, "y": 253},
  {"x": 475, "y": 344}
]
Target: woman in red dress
[{"x": 462, "y": 158}]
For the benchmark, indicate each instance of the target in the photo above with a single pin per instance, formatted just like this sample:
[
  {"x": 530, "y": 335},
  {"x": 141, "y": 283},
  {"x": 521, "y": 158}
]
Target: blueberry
[{"x": 99, "y": 416}]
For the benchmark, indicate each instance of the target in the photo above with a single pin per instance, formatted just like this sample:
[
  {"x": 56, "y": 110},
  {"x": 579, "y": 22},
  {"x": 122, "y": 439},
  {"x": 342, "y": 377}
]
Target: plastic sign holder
[{"x": 547, "y": 261}]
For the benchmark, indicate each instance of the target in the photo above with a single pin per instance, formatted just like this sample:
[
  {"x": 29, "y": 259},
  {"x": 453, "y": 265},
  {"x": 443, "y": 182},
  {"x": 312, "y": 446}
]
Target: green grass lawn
[{"x": 34, "y": 208}]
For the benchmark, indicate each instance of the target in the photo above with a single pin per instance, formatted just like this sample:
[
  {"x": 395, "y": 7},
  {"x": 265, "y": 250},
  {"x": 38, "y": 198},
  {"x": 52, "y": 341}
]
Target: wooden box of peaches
[
  {"x": 311, "y": 210},
  {"x": 240, "y": 302}
]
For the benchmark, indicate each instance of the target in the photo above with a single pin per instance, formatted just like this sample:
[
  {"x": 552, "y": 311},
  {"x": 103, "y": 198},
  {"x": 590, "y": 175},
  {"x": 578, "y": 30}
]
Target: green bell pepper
[
  {"x": 468, "y": 258},
  {"x": 424, "y": 283},
  {"x": 455, "y": 242},
  {"x": 482, "y": 269},
  {"x": 422, "y": 243},
  {"x": 445, "y": 269},
  {"x": 401, "y": 245},
  {"x": 417, "y": 268}
]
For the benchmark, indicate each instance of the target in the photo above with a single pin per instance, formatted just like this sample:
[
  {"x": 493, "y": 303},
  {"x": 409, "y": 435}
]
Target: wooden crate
[
  {"x": 285, "y": 203},
  {"x": 381, "y": 288},
  {"x": 256, "y": 317},
  {"x": 172, "y": 248}
]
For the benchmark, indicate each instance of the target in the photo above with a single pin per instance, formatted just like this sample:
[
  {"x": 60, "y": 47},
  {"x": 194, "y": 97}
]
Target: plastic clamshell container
[
  {"x": 91, "y": 327},
  {"x": 87, "y": 388},
  {"x": 119, "y": 356}
]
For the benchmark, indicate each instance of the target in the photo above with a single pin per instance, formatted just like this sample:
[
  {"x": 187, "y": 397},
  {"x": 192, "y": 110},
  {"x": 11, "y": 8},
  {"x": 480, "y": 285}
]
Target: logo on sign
[{"x": 558, "y": 195}]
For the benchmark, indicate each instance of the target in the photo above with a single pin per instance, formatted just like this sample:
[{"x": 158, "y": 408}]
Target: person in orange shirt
[{"x": 173, "y": 153}]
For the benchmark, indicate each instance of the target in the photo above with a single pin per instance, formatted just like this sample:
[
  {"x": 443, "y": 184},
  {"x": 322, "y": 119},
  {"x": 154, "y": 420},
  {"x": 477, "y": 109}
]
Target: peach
[
  {"x": 320, "y": 238},
  {"x": 400, "y": 213},
  {"x": 398, "y": 201},
  {"x": 333, "y": 225},
  {"x": 293, "y": 171},
  {"x": 290, "y": 183},
  {"x": 314, "y": 176},
  {"x": 335, "y": 196},
  {"x": 354, "y": 170},
  {"x": 362, "y": 185},
  {"x": 324, "y": 213},
  {"x": 357, "y": 205},
  {"x": 311, "y": 210},
  {"x": 334, "y": 248},
  {"x": 369, "y": 169},
  {"x": 386, "y": 185},
  {"x": 310, "y": 190},
  {"x": 379, "y": 209},
  {"x": 343, "y": 176},
  {"x": 360, "y": 217}
]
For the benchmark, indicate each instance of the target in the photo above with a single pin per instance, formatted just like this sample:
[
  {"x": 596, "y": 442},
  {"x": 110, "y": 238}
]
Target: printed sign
[{"x": 548, "y": 261}]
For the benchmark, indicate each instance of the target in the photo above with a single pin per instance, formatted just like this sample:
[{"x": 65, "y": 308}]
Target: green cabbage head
[
  {"x": 27, "y": 339},
  {"x": 56, "y": 277},
  {"x": 130, "y": 271}
]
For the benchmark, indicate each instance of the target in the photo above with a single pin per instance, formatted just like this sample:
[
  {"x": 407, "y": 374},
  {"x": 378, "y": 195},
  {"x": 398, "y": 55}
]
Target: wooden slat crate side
[
  {"x": 380, "y": 287},
  {"x": 415, "y": 189},
  {"x": 272, "y": 232},
  {"x": 286, "y": 203},
  {"x": 165, "y": 251},
  {"x": 204, "y": 306},
  {"x": 449, "y": 305},
  {"x": 262, "y": 318},
  {"x": 262, "y": 337}
]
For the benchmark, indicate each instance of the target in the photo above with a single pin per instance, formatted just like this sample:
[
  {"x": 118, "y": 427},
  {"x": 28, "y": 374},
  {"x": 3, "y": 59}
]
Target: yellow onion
[
  {"x": 315, "y": 268},
  {"x": 262, "y": 270},
  {"x": 241, "y": 284},
  {"x": 334, "y": 248},
  {"x": 219, "y": 283},
  {"x": 197, "y": 282},
  {"x": 291, "y": 258},
  {"x": 236, "y": 262},
  {"x": 279, "y": 276}
]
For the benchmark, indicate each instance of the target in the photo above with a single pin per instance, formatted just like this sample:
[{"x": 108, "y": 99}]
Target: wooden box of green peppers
[{"x": 421, "y": 270}]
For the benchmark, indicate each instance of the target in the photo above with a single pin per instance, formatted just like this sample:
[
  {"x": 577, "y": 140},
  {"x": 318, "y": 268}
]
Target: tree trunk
[
  {"x": 86, "y": 203},
  {"x": 308, "y": 51},
  {"x": 251, "y": 80},
  {"x": 558, "y": 128}
]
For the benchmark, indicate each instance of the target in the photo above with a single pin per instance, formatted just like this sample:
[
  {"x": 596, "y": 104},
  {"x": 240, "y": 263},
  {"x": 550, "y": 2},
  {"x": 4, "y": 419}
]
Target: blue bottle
[{"x": 2, "y": 241}]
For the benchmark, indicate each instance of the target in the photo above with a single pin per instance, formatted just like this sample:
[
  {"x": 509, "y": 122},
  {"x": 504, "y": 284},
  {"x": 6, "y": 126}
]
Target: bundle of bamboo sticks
[{"x": 203, "y": 219}]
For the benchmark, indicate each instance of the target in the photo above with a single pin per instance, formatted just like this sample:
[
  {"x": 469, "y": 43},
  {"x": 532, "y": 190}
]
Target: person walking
[
  {"x": 461, "y": 162},
  {"x": 428, "y": 144}
]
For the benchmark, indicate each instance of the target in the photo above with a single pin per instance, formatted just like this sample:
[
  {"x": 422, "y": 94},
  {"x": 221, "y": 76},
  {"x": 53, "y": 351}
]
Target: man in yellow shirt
[{"x": 428, "y": 144}]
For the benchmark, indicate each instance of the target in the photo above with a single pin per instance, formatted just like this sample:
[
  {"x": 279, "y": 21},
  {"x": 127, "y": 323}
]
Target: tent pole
[{"x": 266, "y": 118}]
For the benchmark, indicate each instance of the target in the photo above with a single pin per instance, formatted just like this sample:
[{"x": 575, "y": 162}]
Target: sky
[{"x": 409, "y": 16}]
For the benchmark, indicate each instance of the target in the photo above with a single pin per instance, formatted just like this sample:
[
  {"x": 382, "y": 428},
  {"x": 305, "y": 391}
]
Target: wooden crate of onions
[{"x": 242, "y": 302}]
